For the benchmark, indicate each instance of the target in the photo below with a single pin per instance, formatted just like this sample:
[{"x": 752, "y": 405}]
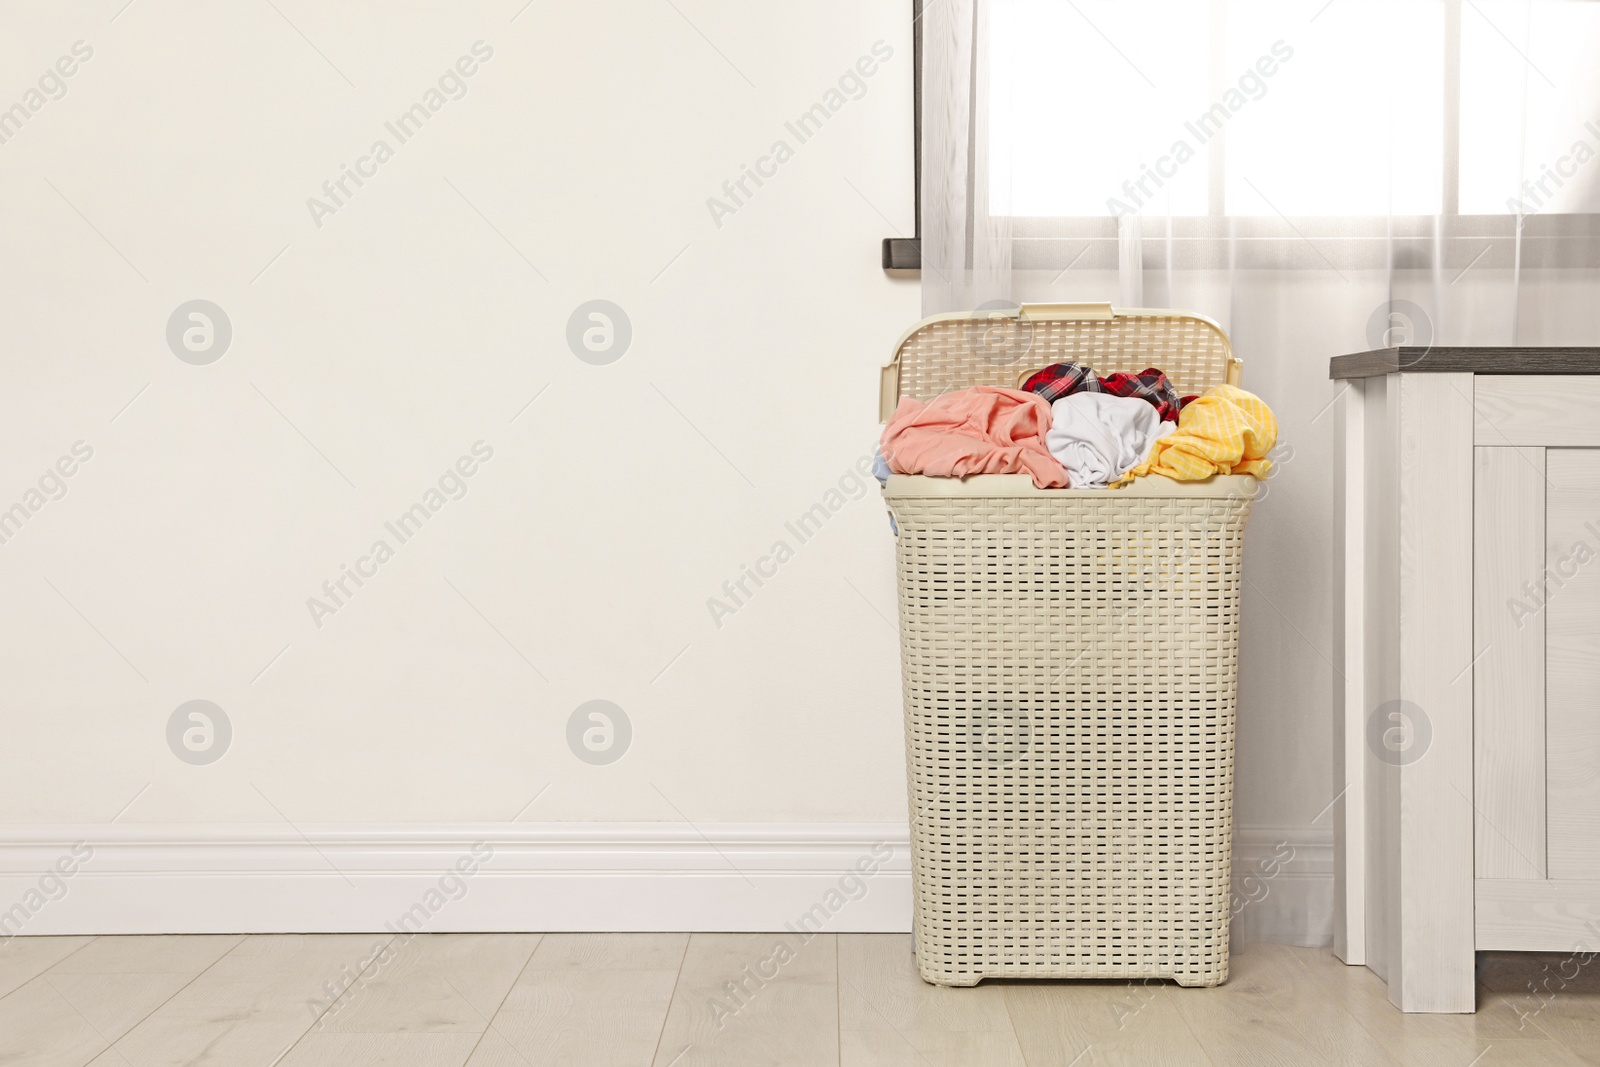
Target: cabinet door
[{"x": 1536, "y": 679}]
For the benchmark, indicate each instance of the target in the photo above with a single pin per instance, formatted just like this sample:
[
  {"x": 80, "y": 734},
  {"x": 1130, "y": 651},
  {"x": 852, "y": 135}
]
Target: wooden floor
[{"x": 674, "y": 1000}]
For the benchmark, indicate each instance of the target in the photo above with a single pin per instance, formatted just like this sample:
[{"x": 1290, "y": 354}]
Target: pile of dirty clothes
[{"x": 1068, "y": 428}]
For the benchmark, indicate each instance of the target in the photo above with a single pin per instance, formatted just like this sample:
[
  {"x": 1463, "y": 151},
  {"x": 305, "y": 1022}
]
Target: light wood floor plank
[
  {"x": 1427, "y": 1040},
  {"x": 115, "y": 1003},
  {"x": 888, "y": 1015},
  {"x": 432, "y": 983},
  {"x": 38, "y": 1026},
  {"x": 1238, "y": 1025},
  {"x": 1550, "y": 993},
  {"x": 1578, "y": 1035},
  {"x": 756, "y": 1000},
  {"x": 610, "y": 952},
  {"x": 381, "y": 1050},
  {"x": 588, "y": 1017},
  {"x": 1325, "y": 1023},
  {"x": 597, "y": 999},
  {"x": 115, "y": 982},
  {"x": 1103, "y": 1024},
  {"x": 149, "y": 954},
  {"x": 929, "y": 1048},
  {"x": 23, "y": 959},
  {"x": 249, "y": 1007},
  {"x": 881, "y": 990}
]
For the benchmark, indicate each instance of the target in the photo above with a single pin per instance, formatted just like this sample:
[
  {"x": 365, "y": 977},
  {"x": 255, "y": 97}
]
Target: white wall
[
  {"x": 370, "y": 352},
  {"x": 391, "y": 339}
]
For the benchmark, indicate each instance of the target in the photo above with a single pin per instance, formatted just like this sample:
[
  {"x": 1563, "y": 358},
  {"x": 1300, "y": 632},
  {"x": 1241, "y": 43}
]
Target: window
[
  {"x": 1250, "y": 108},
  {"x": 1555, "y": 93},
  {"x": 1297, "y": 133}
]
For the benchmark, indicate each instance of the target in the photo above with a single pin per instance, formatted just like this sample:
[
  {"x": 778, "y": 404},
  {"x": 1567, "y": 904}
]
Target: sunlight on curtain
[
  {"x": 1143, "y": 139},
  {"x": 1530, "y": 129},
  {"x": 1352, "y": 123},
  {"x": 1073, "y": 160},
  {"x": 1280, "y": 102}
]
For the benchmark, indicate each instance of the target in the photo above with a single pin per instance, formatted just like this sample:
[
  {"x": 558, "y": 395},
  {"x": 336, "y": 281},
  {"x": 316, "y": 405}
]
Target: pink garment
[{"x": 982, "y": 430}]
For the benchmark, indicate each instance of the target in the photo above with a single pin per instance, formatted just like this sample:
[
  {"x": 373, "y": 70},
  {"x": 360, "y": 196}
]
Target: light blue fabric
[
  {"x": 880, "y": 467},
  {"x": 880, "y": 471}
]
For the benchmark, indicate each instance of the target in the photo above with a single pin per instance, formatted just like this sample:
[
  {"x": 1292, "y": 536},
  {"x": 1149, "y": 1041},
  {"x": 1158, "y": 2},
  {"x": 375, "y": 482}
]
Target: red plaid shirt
[{"x": 1064, "y": 379}]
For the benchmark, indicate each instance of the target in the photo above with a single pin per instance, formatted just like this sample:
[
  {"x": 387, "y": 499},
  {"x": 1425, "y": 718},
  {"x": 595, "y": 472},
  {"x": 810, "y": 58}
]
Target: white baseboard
[
  {"x": 228, "y": 878},
  {"x": 200, "y": 878},
  {"x": 1283, "y": 886}
]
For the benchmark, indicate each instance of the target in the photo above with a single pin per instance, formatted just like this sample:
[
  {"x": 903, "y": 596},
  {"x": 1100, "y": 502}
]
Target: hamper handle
[{"x": 1067, "y": 312}]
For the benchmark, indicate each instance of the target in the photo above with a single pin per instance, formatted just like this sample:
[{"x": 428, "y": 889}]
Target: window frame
[{"x": 905, "y": 253}]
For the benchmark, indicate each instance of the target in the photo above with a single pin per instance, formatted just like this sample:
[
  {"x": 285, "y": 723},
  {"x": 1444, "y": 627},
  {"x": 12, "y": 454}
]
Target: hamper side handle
[{"x": 888, "y": 388}]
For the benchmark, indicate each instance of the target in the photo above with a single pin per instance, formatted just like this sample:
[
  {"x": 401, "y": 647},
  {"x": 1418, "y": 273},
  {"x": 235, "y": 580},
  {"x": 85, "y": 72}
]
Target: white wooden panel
[
  {"x": 1381, "y": 666},
  {"x": 1435, "y": 971},
  {"x": 1571, "y": 585},
  {"x": 1349, "y": 683},
  {"x": 1516, "y": 915},
  {"x": 1508, "y": 679},
  {"x": 1553, "y": 410}
]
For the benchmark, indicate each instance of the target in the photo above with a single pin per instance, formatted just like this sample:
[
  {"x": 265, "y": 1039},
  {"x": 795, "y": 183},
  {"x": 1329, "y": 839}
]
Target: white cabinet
[{"x": 1467, "y": 702}]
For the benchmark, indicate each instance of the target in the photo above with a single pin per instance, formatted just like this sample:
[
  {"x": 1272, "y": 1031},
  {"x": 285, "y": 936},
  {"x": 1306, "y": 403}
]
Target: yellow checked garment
[{"x": 1224, "y": 431}]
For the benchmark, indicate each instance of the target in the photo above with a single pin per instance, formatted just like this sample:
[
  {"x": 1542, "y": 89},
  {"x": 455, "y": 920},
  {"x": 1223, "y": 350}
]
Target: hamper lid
[{"x": 1001, "y": 346}]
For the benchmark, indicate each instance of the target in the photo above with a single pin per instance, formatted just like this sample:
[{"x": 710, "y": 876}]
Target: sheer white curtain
[
  {"x": 1320, "y": 177},
  {"x": 1143, "y": 151},
  {"x": 966, "y": 222}
]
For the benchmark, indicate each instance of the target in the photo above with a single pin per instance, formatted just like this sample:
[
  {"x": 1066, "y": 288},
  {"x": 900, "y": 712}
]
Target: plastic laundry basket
[{"x": 1069, "y": 660}]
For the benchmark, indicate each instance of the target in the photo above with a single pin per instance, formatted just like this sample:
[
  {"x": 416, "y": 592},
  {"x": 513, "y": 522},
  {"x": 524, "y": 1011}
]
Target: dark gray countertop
[{"x": 1477, "y": 359}]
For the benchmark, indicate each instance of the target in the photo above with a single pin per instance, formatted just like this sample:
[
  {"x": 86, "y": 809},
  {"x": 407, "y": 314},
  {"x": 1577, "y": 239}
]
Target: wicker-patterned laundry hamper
[{"x": 1069, "y": 661}]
